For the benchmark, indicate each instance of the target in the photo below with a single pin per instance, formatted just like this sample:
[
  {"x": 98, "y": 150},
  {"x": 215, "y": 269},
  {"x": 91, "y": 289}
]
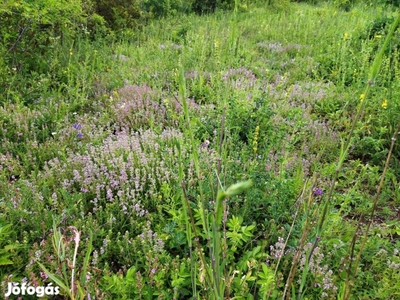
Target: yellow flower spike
[
  {"x": 255, "y": 140},
  {"x": 384, "y": 103},
  {"x": 362, "y": 96},
  {"x": 378, "y": 36},
  {"x": 216, "y": 44}
]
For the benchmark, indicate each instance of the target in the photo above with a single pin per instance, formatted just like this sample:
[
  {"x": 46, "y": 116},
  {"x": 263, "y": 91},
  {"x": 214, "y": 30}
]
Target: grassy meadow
[{"x": 246, "y": 154}]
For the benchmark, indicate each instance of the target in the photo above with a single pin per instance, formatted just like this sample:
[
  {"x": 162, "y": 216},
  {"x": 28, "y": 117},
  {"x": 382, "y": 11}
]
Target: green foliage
[
  {"x": 245, "y": 116},
  {"x": 96, "y": 136},
  {"x": 387, "y": 2},
  {"x": 238, "y": 234},
  {"x": 135, "y": 285},
  {"x": 380, "y": 26},
  {"x": 279, "y": 4},
  {"x": 266, "y": 280},
  {"x": 202, "y": 7},
  {"x": 344, "y": 4},
  {"x": 55, "y": 30},
  {"x": 155, "y": 8},
  {"x": 209, "y": 6},
  {"x": 37, "y": 25},
  {"x": 119, "y": 14},
  {"x": 7, "y": 249}
]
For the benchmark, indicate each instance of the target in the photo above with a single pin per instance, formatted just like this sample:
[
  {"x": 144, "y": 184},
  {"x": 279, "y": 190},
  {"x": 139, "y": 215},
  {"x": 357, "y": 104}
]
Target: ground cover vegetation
[{"x": 200, "y": 149}]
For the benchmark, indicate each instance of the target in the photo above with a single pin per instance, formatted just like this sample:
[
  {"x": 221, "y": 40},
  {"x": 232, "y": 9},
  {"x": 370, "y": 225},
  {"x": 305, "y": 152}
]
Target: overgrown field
[{"x": 246, "y": 154}]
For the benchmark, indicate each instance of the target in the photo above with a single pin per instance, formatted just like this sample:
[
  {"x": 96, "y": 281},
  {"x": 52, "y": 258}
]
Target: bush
[
  {"x": 35, "y": 40},
  {"x": 206, "y": 6},
  {"x": 160, "y": 8},
  {"x": 388, "y": 2},
  {"x": 119, "y": 14},
  {"x": 209, "y": 6},
  {"x": 38, "y": 25}
]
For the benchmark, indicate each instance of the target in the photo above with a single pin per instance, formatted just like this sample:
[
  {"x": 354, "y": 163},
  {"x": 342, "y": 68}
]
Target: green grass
[{"x": 135, "y": 144}]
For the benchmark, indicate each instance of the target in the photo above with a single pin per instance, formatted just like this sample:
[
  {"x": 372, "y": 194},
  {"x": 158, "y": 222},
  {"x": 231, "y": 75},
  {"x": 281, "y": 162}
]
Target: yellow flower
[
  {"x": 345, "y": 36},
  {"x": 384, "y": 103},
  {"x": 216, "y": 44},
  {"x": 378, "y": 36},
  {"x": 362, "y": 96},
  {"x": 255, "y": 140}
]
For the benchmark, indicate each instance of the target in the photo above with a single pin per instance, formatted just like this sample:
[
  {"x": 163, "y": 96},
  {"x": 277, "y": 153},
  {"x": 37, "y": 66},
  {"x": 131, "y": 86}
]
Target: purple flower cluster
[
  {"x": 195, "y": 75},
  {"x": 317, "y": 192},
  {"x": 277, "y": 250},
  {"x": 177, "y": 106},
  {"x": 393, "y": 262},
  {"x": 78, "y": 128},
  {"x": 278, "y": 47},
  {"x": 289, "y": 161},
  {"x": 241, "y": 78},
  {"x": 151, "y": 238},
  {"x": 136, "y": 108},
  {"x": 300, "y": 94},
  {"x": 321, "y": 274},
  {"x": 172, "y": 46},
  {"x": 126, "y": 169}
]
